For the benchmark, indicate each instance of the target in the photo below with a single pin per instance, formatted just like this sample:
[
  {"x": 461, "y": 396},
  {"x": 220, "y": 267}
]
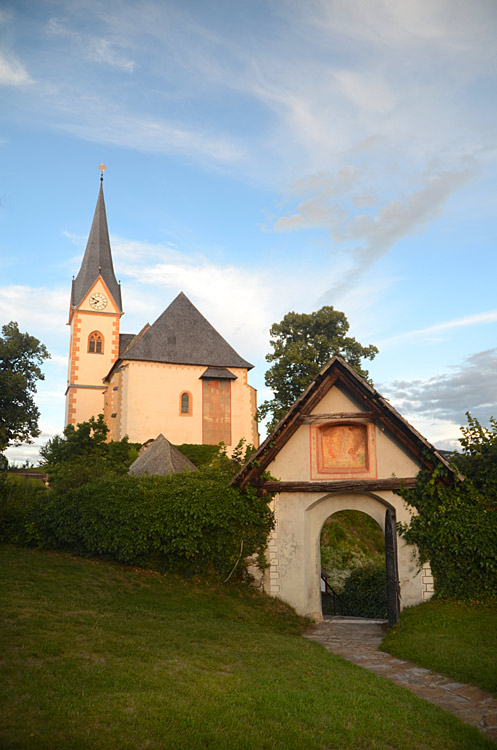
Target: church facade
[{"x": 178, "y": 376}]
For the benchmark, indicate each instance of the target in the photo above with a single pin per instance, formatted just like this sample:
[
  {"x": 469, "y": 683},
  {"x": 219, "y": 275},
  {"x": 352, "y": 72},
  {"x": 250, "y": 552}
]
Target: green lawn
[
  {"x": 456, "y": 639},
  {"x": 96, "y": 655}
]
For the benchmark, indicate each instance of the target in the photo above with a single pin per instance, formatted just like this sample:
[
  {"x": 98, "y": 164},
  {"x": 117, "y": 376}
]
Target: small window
[
  {"x": 185, "y": 404},
  {"x": 95, "y": 343}
]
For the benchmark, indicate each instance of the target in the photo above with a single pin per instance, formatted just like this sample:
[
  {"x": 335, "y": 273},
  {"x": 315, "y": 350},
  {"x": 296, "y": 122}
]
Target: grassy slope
[
  {"x": 454, "y": 638},
  {"x": 100, "y": 656},
  {"x": 350, "y": 539},
  {"x": 355, "y": 531}
]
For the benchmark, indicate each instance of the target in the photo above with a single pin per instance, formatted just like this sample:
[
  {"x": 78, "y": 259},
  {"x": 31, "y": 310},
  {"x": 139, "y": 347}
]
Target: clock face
[{"x": 98, "y": 301}]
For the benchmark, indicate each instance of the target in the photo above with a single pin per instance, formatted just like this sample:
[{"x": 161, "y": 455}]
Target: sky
[{"x": 262, "y": 156}]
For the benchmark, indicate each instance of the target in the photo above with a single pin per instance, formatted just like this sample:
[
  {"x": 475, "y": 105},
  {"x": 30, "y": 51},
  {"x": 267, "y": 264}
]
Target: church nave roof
[{"x": 181, "y": 335}]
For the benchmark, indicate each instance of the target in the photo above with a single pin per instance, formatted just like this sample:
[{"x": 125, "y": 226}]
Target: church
[{"x": 178, "y": 376}]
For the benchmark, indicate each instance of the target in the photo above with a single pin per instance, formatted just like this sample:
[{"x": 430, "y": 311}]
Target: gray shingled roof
[
  {"x": 218, "y": 373},
  {"x": 97, "y": 259},
  {"x": 181, "y": 335},
  {"x": 161, "y": 458},
  {"x": 125, "y": 340}
]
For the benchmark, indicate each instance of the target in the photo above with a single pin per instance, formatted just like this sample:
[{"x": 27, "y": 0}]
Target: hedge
[
  {"x": 365, "y": 593},
  {"x": 193, "y": 522},
  {"x": 455, "y": 530}
]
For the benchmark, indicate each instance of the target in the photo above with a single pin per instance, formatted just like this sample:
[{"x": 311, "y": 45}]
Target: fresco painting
[
  {"x": 216, "y": 423},
  {"x": 342, "y": 446}
]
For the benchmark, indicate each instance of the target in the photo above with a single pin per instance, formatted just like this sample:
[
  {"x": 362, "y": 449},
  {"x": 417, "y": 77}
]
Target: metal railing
[{"x": 329, "y": 597}]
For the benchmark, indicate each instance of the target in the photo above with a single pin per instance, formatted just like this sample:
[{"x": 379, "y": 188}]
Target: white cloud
[
  {"x": 96, "y": 49},
  {"x": 13, "y": 72},
  {"x": 59, "y": 359},
  {"x": 367, "y": 91},
  {"x": 441, "y": 432},
  {"x": 470, "y": 386},
  {"x": 330, "y": 202},
  {"x": 102, "y": 50},
  {"x": 119, "y": 127},
  {"x": 239, "y": 301},
  {"x": 35, "y": 308},
  {"x": 431, "y": 23},
  {"x": 430, "y": 333},
  {"x": 312, "y": 82}
]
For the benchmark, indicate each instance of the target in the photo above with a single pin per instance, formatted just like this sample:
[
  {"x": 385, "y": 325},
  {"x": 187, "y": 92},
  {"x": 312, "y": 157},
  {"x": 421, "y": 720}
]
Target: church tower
[{"x": 94, "y": 316}]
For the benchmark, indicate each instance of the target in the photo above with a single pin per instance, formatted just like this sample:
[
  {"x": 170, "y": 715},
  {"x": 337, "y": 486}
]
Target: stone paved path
[{"x": 358, "y": 640}]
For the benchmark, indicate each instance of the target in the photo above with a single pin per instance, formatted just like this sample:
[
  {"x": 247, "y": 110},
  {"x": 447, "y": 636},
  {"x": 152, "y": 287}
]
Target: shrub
[
  {"x": 365, "y": 593},
  {"x": 455, "y": 529},
  {"x": 455, "y": 526},
  {"x": 478, "y": 460},
  {"x": 189, "y": 523},
  {"x": 217, "y": 455},
  {"x": 199, "y": 455},
  {"x": 83, "y": 454},
  {"x": 21, "y": 500},
  {"x": 350, "y": 539}
]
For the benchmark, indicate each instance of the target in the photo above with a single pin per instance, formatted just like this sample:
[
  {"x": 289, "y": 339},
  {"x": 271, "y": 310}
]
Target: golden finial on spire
[{"x": 102, "y": 169}]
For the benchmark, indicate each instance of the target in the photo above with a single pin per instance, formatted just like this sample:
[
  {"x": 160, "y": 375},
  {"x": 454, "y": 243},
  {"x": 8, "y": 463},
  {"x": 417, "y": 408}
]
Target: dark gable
[
  {"x": 374, "y": 406},
  {"x": 181, "y": 335}
]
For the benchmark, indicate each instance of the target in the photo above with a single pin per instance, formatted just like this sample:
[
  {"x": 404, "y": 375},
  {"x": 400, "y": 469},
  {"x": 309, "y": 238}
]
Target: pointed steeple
[{"x": 97, "y": 260}]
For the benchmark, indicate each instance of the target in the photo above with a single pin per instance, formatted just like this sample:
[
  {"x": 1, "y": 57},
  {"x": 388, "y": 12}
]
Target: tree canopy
[
  {"x": 82, "y": 453},
  {"x": 455, "y": 523},
  {"x": 21, "y": 356},
  {"x": 302, "y": 344},
  {"x": 478, "y": 460}
]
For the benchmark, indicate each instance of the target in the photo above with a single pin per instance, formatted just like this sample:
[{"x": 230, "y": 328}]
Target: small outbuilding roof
[
  {"x": 218, "y": 373},
  {"x": 160, "y": 458}
]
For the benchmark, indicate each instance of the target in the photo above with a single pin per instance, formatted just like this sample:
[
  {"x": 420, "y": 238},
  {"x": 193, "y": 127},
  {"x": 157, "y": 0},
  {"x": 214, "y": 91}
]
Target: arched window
[
  {"x": 185, "y": 404},
  {"x": 96, "y": 343}
]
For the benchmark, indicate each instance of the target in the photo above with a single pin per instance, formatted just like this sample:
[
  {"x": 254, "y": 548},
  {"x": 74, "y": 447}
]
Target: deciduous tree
[
  {"x": 21, "y": 356},
  {"x": 302, "y": 344},
  {"x": 82, "y": 453},
  {"x": 455, "y": 522},
  {"x": 478, "y": 460}
]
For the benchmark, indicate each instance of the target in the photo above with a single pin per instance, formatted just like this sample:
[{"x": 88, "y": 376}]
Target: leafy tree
[
  {"x": 21, "y": 356},
  {"x": 478, "y": 460},
  {"x": 303, "y": 343},
  {"x": 82, "y": 453},
  {"x": 455, "y": 525}
]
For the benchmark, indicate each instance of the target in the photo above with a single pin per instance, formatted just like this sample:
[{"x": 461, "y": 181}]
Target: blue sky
[{"x": 262, "y": 156}]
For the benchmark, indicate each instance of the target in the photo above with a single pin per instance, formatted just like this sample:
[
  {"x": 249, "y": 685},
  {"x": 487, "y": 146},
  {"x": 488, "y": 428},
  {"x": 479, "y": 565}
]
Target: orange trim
[{"x": 190, "y": 404}]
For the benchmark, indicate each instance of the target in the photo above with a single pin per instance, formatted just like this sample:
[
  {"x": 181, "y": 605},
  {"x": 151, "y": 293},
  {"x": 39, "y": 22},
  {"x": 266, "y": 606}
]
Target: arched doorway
[
  {"x": 381, "y": 512},
  {"x": 353, "y": 571}
]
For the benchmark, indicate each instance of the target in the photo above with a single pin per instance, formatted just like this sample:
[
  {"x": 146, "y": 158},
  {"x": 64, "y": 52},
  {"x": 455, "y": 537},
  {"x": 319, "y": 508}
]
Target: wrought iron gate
[{"x": 391, "y": 567}]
